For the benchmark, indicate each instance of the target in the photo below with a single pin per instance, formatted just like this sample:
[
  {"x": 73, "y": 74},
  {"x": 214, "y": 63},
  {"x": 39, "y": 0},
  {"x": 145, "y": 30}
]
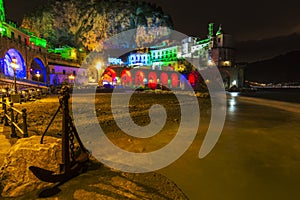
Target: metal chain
[
  {"x": 17, "y": 118},
  {"x": 72, "y": 144}
]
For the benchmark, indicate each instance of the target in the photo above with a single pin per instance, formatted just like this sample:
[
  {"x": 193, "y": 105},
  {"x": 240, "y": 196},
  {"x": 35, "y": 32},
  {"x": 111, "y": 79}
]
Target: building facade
[{"x": 215, "y": 50}]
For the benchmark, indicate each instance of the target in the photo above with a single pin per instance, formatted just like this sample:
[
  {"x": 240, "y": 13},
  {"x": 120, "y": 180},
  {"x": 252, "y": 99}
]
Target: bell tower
[{"x": 2, "y": 11}]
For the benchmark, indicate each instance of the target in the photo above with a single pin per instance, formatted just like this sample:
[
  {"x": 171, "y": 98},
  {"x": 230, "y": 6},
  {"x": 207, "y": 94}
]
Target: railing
[
  {"x": 11, "y": 118},
  {"x": 22, "y": 82}
]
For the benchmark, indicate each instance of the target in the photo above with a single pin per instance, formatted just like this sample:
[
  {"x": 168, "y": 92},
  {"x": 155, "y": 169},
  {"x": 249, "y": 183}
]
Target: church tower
[{"x": 2, "y": 11}]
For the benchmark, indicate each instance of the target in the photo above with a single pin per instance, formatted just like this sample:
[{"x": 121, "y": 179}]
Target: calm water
[
  {"x": 287, "y": 95},
  {"x": 256, "y": 157}
]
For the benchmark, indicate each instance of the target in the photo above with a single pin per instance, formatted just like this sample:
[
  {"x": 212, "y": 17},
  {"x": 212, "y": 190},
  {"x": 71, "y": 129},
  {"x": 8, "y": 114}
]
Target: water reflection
[
  {"x": 232, "y": 101},
  {"x": 256, "y": 157}
]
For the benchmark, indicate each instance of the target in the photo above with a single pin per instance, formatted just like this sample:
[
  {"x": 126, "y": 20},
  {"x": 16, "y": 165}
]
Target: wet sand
[{"x": 256, "y": 157}]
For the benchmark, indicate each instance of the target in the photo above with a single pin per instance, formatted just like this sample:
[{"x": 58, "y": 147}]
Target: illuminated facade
[
  {"x": 139, "y": 59},
  {"x": 67, "y": 74},
  {"x": 164, "y": 58},
  {"x": 217, "y": 49},
  {"x": 35, "y": 62}
]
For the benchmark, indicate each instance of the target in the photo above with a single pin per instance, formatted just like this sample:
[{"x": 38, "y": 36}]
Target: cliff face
[{"x": 87, "y": 23}]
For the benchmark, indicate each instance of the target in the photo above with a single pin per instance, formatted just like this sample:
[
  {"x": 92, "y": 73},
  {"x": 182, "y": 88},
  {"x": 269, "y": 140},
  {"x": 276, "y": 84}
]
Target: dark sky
[{"x": 245, "y": 20}]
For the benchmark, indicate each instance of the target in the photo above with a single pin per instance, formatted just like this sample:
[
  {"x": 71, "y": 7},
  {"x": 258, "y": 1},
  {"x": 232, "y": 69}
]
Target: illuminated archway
[
  {"x": 193, "y": 77},
  {"x": 164, "y": 79},
  {"x": 152, "y": 80},
  {"x": 109, "y": 76},
  {"x": 139, "y": 78},
  {"x": 126, "y": 77},
  {"x": 226, "y": 78},
  {"x": 174, "y": 80},
  {"x": 6, "y": 64},
  {"x": 38, "y": 67}
]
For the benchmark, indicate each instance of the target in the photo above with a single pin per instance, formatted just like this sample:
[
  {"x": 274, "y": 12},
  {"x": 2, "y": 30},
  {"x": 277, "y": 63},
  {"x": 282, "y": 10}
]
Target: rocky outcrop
[
  {"x": 15, "y": 177},
  {"x": 77, "y": 24},
  {"x": 98, "y": 182}
]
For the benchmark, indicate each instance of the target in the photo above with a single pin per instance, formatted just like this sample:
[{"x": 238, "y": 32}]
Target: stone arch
[
  {"x": 152, "y": 80},
  {"x": 226, "y": 77},
  {"x": 174, "y": 80},
  {"x": 139, "y": 78},
  {"x": 6, "y": 61},
  {"x": 37, "y": 66},
  {"x": 126, "y": 77},
  {"x": 164, "y": 78}
]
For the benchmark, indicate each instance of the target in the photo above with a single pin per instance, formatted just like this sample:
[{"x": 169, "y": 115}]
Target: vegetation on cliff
[{"x": 86, "y": 24}]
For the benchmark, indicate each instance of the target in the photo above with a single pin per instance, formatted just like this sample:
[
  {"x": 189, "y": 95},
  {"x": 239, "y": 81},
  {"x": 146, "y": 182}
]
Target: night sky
[{"x": 245, "y": 20}]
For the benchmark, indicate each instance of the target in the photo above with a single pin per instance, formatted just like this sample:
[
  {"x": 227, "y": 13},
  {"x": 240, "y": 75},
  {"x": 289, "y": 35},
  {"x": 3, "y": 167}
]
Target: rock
[
  {"x": 15, "y": 177},
  {"x": 107, "y": 184}
]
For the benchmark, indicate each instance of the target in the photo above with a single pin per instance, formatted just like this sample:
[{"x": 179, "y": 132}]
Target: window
[
  {"x": 74, "y": 73},
  {"x": 64, "y": 71},
  {"x": 53, "y": 71}
]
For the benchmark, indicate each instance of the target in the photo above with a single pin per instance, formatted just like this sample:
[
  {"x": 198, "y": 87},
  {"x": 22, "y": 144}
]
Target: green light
[
  {"x": 2, "y": 11},
  {"x": 211, "y": 29},
  {"x": 203, "y": 41},
  {"x": 2, "y": 30},
  {"x": 219, "y": 32},
  {"x": 65, "y": 52},
  {"x": 38, "y": 41}
]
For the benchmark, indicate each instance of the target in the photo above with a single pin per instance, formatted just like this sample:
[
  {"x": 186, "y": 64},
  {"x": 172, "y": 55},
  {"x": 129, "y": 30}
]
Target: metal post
[
  {"x": 14, "y": 66},
  {"x": 5, "y": 111},
  {"x": 15, "y": 81},
  {"x": 13, "y": 129},
  {"x": 24, "y": 115},
  {"x": 65, "y": 134}
]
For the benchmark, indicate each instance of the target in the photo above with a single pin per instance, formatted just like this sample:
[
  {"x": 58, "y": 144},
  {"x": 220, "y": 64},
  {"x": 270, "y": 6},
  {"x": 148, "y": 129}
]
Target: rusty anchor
[{"x": 71, "y": 166}]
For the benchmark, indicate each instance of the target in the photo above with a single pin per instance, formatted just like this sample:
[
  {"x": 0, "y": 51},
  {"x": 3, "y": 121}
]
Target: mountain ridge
[
  {"x": 279, "y": 69},
  {"x": 259, "y": 50}
]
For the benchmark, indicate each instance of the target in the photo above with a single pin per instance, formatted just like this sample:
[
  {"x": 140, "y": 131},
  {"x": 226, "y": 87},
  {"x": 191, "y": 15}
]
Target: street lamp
[
  {"x": 14, "y": 65},
  {"x": 38, "y": 75},
  {"x": 72, "y": 77},
  {"x": 98, "y": 67}
]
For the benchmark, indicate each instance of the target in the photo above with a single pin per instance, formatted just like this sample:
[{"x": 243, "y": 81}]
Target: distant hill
[
  {"x": 257, "y": 50},
  {"x": 283, "y": 68}
]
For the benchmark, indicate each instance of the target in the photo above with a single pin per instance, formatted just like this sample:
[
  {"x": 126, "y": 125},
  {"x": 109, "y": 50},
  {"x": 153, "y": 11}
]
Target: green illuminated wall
[
  {"x": 2, "y": 11},
  {"x": 65, "y": 52},
  {"x": 38, "y": 41},
  {"x": 3, "y": 31}
]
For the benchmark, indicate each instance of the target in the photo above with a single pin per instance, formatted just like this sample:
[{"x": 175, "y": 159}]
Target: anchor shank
[{"x": 66, "y": 167}]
